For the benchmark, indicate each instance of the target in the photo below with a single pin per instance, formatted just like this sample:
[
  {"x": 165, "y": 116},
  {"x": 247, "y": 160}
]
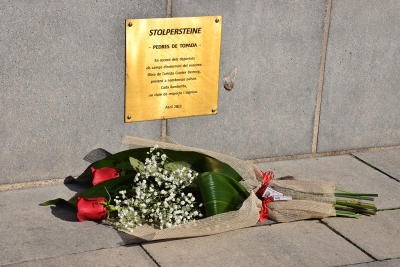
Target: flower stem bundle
[
  {"x": 317, "y": 199},
  {"x": 354, "y": 208}
]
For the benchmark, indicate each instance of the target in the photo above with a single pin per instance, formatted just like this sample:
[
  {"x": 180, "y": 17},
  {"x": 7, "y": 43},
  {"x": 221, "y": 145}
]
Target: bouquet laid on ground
[{"x": 171, "y": 191}]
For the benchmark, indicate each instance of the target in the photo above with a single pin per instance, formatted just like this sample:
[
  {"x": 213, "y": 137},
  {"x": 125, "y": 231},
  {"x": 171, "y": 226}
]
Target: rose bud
[
  {"x": 89, "y": 209},
  {"x": 104, "y": 174}
]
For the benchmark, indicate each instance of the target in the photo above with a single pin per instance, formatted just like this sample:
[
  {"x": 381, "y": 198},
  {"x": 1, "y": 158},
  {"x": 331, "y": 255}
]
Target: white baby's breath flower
[{"x": 154, "y": 196}]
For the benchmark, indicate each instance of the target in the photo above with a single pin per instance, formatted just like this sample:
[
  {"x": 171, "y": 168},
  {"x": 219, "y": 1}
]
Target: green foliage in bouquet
[
  {"x": 220, "y": 186},
  {"x": 220, "y": 193},
  {"x": 217, "y": 186}
]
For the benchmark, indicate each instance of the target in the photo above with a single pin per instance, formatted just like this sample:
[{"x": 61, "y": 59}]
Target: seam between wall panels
[
  {"x": 317, "y": 113},
  {"x": 164, "y": 121},
  {"x": 169, "y": 8}
]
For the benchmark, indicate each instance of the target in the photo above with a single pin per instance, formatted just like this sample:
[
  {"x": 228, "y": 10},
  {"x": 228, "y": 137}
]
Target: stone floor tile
[
  {"x": 119, "y": 256},
  {"x": 29, "y": 231},
  {"x": 378, "y": 235},
  {"x": 303, "y": 243},
  {"x": 387, "y": 161},
  {"x": 386, "y": 263}
]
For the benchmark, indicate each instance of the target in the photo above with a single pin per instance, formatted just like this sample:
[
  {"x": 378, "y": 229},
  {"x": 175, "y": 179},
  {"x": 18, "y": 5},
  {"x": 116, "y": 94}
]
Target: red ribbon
[
  {"x": 267, "y": 177},
  {"x": 264, "y": 209}
]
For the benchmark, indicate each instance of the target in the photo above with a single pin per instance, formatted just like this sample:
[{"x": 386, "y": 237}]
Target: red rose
[
  {"x": 104, "y": 174},
  {"x": 89, "y": 209}
]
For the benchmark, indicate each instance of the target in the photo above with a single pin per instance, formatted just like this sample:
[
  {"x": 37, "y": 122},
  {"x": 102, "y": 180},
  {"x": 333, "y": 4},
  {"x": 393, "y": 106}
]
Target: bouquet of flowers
[
  {"x": 157, "y": 193},
  {"x": 166, "y": 191}
]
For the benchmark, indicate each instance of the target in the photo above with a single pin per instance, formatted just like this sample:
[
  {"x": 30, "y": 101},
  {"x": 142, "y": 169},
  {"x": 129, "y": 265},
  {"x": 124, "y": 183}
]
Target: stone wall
[{"x": 314, "y": 76}]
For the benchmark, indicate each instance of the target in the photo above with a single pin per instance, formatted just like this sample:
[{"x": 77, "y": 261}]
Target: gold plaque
[{"x": 172, "y": 67}]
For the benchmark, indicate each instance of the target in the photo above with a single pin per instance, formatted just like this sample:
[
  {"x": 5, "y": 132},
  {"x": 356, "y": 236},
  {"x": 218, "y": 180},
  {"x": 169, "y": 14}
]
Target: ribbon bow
[{"x": 267, "y": 177}]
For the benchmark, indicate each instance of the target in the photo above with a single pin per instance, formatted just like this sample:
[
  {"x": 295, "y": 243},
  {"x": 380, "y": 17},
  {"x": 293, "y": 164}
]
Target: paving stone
[
  {"x": 276, "y": 46},
  {"x": 360, "y": 100},
  {"x": 346, "y": 172},
  {"x": 386, "y": 263},
  {"x": 304, "y": 243},
  {"x": 120, "y": 256},
  {"x": 378, "y": 235},
  {"x": 387, "y": 161},
  {"x": 29, "y": 231}
]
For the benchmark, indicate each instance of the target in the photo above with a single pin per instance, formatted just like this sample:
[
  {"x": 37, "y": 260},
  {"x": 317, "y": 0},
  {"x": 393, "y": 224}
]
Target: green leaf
[
  {"x": 113, "y": 186},
  {"x": 137, "y": 165},
  {"x": 173, "y": 166},
  {"x": 198, "y": 162},
  {"x": 209, "y": 164},
  {"x": 56, "y": 202},
  {"x": 121, "y": 161},
  {"x": 220, "y": 193}
]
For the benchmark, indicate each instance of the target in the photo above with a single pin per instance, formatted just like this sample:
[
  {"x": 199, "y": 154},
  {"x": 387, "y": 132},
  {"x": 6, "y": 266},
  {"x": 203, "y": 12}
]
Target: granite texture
[
  {"x": 119, "y": 256},
  {"x": 387, "y": 161},
  {"x": 276, "y": 46},
  {"x": 288, "y": 244},
  {"x": 360, "y": 104},
  {"x": 31, "y": 232},
  {"x": 385, "y": 263},
  {"x": 62, "y": 84},
  {"x": 383, "y": 244}
]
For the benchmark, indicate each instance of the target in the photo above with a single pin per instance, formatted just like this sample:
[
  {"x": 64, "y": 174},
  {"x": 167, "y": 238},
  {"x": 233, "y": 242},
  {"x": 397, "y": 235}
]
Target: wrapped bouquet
[{"x": 159, "y": 190}]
